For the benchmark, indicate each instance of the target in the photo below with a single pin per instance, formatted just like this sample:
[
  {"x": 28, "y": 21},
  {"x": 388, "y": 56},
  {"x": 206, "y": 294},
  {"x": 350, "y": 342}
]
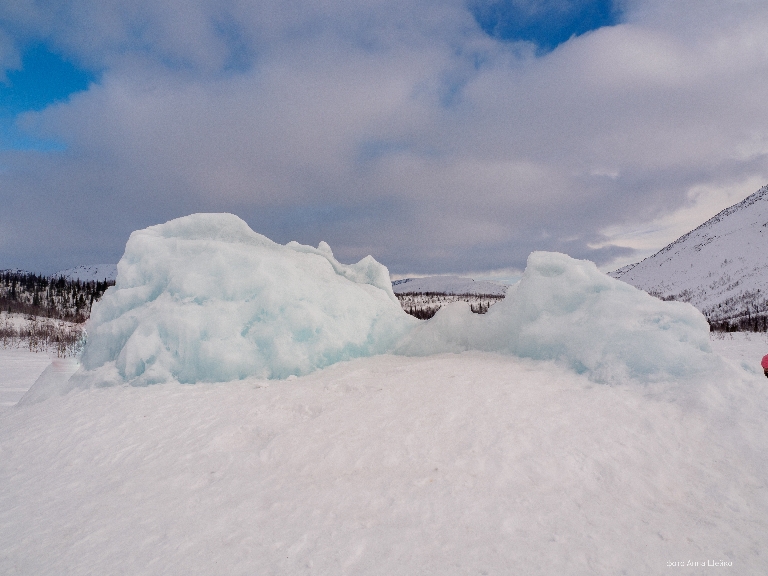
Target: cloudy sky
[{"x": 451, "y": 136}]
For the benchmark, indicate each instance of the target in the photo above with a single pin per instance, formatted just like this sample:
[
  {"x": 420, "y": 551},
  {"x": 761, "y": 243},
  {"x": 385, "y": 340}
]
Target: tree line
[
  {"x": 744, "y": 312},
  {"x": 50, "y": 297},
  {"x": 424, "y": 305}
]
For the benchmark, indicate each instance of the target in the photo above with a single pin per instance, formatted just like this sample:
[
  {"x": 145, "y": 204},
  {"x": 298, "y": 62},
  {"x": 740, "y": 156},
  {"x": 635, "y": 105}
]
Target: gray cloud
[{"x": 390, "y": 128}]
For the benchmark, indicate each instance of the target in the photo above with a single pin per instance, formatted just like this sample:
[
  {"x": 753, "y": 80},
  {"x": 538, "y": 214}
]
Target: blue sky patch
[
  {"x": 44, "y": 78},
  {"x": 12, "y": 138},
  {"x": 546, "y": 23}
]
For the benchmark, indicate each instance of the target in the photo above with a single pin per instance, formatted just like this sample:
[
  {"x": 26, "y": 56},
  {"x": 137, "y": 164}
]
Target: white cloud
[
  {"x": 398, "y": 129},
  {"x": 10, "y": 59}
]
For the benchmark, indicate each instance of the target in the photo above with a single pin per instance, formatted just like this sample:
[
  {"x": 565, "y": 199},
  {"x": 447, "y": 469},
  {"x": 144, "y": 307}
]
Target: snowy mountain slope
[
  {"x": 92, "y": 273},
  {"x": 447, "y": 285},
  {"x": 721, "y": 267}
]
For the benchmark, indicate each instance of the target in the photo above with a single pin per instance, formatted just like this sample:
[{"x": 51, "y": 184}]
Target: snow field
[
  {"x": 19, "y": 368},
  {"x": 453, "y": 464},
  {"x": 40, "y": 334},
  {"x": 13, "y": 321},
  {"x": 744, "y": 349},
  {"x": 480, "y": 303}
]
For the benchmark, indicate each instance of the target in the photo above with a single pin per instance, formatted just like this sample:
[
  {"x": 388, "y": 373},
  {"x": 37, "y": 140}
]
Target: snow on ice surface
[
  {"x": 452, "y": 464},
  {"x": 205, "y": 299}
]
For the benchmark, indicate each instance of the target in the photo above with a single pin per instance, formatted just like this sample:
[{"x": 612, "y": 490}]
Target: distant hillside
[
  {"x": 447, "y": 285},
  {"x": 49, "y": 296},
  {"x": 721, "y": 267},
  {"x": 423, "y": 297},
  {"x": 92, "y": 273}
]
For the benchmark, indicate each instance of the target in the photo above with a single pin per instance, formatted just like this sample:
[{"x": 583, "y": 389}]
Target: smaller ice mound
[
  {"x": 205, "y": 299},
  {"x": 567, "y": 310}
]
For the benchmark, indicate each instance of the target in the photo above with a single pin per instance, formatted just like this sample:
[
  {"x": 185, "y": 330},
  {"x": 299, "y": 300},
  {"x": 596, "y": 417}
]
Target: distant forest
[
  {"x": 49, "y": 297},
  {"x": 424, "y": 305},
  {"x": 55, "y": 309},
  {"x": 58, "y": 298}
]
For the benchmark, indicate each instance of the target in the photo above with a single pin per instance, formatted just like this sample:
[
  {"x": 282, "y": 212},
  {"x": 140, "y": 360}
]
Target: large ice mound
[
  {"x": 205, "y": 298},
  {"x": 567, "y": 310}
]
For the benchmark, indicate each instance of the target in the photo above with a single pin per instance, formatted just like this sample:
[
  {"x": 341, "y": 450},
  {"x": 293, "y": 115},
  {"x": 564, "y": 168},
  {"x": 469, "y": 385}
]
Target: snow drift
[
  {"x": 205, "y": 299},
  {"x": 450, "y": 464}
]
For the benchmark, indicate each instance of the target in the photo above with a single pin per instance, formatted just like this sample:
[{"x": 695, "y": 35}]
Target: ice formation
[
  {"x": 567, "y": 310},
  {"x": 205, "y": 299}
]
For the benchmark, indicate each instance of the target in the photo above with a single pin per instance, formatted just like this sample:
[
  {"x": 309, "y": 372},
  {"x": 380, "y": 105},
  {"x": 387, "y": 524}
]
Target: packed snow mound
[
  {"x": 205, "y": 298},
  {"x": 567, "y": 310},
  {"x": 448, "y": 465}
]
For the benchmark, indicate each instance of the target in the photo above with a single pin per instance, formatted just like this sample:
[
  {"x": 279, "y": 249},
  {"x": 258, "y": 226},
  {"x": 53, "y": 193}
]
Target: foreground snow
[
  {"x": 19, "y": 368},
  {"x": 454, "y": 464}
]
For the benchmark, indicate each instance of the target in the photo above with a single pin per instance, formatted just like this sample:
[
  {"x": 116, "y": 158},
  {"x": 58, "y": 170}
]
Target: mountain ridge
[{"x": 721, "y": 266}]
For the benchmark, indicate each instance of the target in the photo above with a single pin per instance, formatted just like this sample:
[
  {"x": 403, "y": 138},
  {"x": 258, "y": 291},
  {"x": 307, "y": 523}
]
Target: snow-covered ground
[
  {"x": 250, "y": 408},
  {"x": 452, "y": 464},
  {"x": 744, "y": 348},
  {"x": 21, "y": 321},
  {"x": 13, "y": 320},
  {"x": 19, "y": 368}
]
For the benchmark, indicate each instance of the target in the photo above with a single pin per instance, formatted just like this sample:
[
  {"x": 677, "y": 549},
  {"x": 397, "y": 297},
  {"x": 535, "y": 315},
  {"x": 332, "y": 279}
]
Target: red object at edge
[{"x": 764, "y": 363}]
